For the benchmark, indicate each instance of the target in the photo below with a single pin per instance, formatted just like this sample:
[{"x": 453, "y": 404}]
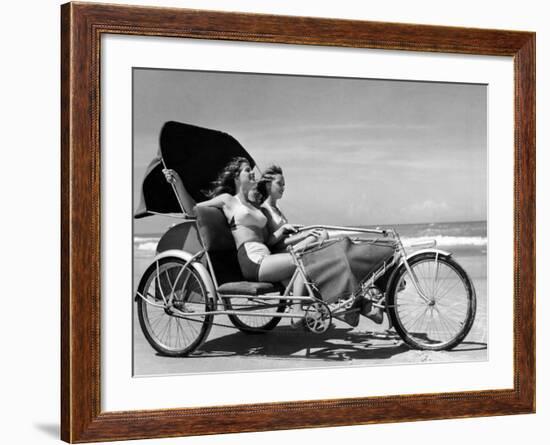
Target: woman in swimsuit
[
  {"x": 272, "y": 187},
  {"x": 248, "y": 225}
]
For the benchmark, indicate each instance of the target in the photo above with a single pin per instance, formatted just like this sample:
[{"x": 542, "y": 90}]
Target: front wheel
[
  {"x": 168, "y": 296},
  {"x": 441, "y": 317}
]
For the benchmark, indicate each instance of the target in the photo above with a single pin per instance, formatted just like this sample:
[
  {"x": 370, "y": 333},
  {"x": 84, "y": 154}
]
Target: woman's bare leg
[
  {"x": 298, "y": 287},
  {"x": 276, "y": 267},
  {"x": 298, "y": 290},
  {"x": 281, "y": 267},
  {"x": 305, "y": 242}
]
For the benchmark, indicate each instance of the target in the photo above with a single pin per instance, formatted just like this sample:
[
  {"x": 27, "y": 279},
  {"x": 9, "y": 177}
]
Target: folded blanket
[{"x": 338, "y": 267}]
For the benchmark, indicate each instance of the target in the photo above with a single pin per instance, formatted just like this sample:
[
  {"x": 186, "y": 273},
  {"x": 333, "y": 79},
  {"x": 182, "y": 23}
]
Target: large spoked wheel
[
  {"x": 168, "y": 295},
  {"x": 254, "y": 324},
  {"x": 444, "y": 316}
]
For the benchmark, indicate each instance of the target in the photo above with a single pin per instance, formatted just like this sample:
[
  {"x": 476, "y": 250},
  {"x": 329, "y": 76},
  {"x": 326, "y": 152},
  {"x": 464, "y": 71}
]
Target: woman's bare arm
[
  {"x": 219, "y": 201},
  {"x": 294, "y": 239},
  {"x": 185, "y": 200},
  {"x": 306, "y": 237},
  {"x": 280, "y": 233}
]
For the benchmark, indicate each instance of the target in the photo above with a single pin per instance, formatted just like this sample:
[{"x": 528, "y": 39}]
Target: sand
[{"x": 228, "y": 350}]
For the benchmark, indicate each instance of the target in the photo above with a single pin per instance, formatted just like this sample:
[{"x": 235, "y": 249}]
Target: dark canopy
[{"x": 197, "y": 154}]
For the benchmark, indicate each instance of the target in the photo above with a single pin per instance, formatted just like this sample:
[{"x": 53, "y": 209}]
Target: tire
[
  {"x": 167, "y": 334},
  {"x": 253, "y": 324},
  {"x": 442, "y": 323}
]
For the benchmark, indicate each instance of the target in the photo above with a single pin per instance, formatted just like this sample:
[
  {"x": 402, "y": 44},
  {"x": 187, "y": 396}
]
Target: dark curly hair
[
  {"x": 226, "y": 179},
  {"x": 267, "y": 178}
]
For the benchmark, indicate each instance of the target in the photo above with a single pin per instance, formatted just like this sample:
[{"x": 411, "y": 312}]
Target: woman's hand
[
  {"x": 286, "y": 229},
  {"x": 319, "y": 233},
  {"x": 307, "y": 237},
  {"x": 171, "y": 176},
  {"x": 282, "y": 232}
]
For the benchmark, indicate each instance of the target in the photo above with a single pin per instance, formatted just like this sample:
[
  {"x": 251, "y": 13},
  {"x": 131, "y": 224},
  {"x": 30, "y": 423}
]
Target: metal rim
[
  {"x": 441, "y": 319},
  {"x": 171, "y": 333}
]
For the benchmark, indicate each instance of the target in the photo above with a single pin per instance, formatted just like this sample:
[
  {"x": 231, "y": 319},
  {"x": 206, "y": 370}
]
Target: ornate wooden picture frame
[{"x": 82, "y": 26}]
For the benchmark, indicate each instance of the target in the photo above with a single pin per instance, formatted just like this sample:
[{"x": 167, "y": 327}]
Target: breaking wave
[
  {"x": 145, "y": 244},
  {"x": 442, "y": 240},
  {"x": 149, "y": 244}
]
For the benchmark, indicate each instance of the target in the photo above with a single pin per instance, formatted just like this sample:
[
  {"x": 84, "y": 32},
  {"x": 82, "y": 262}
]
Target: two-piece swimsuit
[
  {"x": 247, "y": 225},
  {"x": 275, "y": 220},
  {"x": 276, "y": 217}
]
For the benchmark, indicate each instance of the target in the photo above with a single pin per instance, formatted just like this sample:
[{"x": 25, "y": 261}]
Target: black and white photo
[{"x": 293, "y": 222}]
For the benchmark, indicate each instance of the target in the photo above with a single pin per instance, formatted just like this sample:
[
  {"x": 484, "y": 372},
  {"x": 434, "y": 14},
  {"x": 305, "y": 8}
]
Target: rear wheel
[
  {"x": 254, "y": 324},
  {"x": 443, "y": 318},
  {"x": 170, "y": 327}
]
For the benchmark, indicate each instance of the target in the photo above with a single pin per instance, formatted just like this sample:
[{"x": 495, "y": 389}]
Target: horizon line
[{"x": 366, "y": 226}]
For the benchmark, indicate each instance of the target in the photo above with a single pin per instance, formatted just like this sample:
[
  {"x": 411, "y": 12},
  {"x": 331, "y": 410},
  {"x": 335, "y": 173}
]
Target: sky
[{"x": 353, "y": 151}]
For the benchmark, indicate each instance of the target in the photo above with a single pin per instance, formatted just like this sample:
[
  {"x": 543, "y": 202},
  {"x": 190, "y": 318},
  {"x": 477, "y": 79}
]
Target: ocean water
[
  {"x": 463, "y": 236},
  {"x": 145, "y": 245}
]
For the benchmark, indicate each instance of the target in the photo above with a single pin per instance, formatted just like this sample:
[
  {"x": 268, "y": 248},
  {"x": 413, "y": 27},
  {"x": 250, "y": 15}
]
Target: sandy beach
[{"x": 228, "y": 350}]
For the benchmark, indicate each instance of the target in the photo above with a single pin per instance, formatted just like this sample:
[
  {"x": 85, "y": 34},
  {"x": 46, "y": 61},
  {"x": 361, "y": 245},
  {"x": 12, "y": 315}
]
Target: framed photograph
[{"x": 275, "y": 222}]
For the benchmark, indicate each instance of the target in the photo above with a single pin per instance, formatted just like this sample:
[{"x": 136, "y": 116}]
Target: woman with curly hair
[
  {"x": 272, "y": 187},
  {"x": 248, "y": 225}
]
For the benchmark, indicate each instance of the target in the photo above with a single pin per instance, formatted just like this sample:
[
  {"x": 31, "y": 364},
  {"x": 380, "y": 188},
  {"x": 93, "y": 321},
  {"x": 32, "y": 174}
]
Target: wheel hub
[{"x": 317, "y": 318}]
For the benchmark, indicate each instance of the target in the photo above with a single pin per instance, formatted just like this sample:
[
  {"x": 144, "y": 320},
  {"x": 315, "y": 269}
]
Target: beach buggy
[{"x": 195, "y": 276}]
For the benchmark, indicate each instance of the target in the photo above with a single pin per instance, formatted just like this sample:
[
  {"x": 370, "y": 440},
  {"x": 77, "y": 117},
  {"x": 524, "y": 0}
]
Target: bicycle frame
[
  {"x": 400, "y": 254},
  {"x": 269, "y": 301}
]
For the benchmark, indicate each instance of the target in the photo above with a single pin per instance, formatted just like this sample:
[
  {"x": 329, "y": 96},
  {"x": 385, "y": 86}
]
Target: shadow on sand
[
  {"x": 338, "y": 344},
  {"x": 471, "y": 346}
]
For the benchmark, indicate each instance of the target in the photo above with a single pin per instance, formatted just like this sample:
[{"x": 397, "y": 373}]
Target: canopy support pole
[{"x": 175, "y": 190}]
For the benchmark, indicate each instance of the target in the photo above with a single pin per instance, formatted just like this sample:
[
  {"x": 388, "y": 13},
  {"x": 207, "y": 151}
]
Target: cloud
[
  {"x": 427, "y": 208},
  {"x": 429, "y": 205}
]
